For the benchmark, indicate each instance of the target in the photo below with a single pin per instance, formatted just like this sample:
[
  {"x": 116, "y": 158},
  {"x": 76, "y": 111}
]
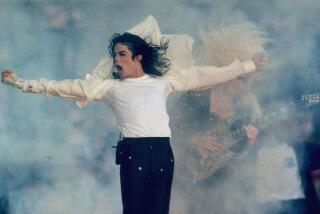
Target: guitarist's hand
[
  {"x": 206, "y": 143},
  {"x": 252, "y": 133}
]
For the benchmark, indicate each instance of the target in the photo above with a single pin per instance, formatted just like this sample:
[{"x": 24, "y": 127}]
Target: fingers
[
  {"x": 260, "y": 59},
  {"x": 213, "y": 145},
  {"x": 207, "y": 142},
  {"x": 210, "y": 143},
  {"x": 5, "y": 74},
  {"x": 252, "y": 133}
]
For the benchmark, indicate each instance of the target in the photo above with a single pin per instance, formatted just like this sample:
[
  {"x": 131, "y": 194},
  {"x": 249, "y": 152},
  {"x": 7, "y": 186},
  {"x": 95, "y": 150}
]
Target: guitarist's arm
[{"x": 207, "y": 143}]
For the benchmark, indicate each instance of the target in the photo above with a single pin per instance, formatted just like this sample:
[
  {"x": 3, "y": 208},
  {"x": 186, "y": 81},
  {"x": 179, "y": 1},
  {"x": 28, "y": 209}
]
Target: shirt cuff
[{"x": 249, "y": 66}]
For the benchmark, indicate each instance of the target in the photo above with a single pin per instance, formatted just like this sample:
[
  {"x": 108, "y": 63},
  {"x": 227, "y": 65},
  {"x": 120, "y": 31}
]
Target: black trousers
[{"x": 146, "y": 173}]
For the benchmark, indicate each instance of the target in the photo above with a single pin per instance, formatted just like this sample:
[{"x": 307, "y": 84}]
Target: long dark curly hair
[{"x": 153, "y": 61}]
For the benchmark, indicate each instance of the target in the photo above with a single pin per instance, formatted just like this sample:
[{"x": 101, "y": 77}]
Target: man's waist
[
  {"x": 145, "y": 131},
  {"x": 145, "y": 140}
]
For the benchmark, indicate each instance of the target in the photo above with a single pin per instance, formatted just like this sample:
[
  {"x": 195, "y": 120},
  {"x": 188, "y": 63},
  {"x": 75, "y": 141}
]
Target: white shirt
[
  {"x": 139, "y": 105},
  {"x": 277, "y": 174}
]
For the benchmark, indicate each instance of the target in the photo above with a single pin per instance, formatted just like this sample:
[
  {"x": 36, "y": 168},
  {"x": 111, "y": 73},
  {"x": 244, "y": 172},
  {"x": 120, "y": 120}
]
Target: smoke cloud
[{"x": 56, "y": 158}]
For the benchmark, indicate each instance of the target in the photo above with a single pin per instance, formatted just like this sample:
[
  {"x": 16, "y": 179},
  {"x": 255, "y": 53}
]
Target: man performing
[
  {"x": 138, "y": 100},
  {"x": 219, "y": 125},
  {"x": 223, "y": 179}
]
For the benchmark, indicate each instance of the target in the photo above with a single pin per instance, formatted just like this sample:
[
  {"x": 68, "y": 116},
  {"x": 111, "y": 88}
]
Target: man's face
[{"x": 124, "y": 63}]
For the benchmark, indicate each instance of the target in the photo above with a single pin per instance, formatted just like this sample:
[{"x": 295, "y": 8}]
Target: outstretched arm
[
  {"x": 81, "y": 90},
  {"x": 206, "y": 76}
]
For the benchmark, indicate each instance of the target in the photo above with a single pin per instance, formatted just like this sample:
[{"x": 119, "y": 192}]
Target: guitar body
[{"x": 228, "y": 133}]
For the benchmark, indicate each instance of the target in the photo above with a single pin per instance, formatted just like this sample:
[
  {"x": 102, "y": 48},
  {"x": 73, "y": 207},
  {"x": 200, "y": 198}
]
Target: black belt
[{"x": 145, "y": 139}]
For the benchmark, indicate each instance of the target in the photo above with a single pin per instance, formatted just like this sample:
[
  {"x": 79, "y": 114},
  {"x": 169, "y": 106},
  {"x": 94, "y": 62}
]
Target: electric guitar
[{"x": 229, "y": 133}]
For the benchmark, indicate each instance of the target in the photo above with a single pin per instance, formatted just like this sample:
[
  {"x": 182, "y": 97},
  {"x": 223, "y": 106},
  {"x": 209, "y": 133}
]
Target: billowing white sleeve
[
  {"x": 197, "y": 77},
  {"x": 81, "y": 90},
  {"x": 147, "y": 29}
]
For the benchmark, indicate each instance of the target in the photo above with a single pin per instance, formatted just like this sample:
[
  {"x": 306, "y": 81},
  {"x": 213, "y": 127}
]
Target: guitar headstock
[{"x": 309, "y": 100}]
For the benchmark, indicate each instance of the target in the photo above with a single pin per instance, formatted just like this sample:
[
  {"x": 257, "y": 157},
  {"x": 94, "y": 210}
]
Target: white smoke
[{"x": 58, "y": 159}]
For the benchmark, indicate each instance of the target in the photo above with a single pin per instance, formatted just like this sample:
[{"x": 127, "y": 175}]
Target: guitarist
[
  {"x": 228, "y": 190},
  {"x": 224, "y": 191},
  {"x": 232, "y": 98}
]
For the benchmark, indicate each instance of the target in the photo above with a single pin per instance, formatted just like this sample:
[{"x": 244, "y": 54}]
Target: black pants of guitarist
[{"x": 146, "y": 173}]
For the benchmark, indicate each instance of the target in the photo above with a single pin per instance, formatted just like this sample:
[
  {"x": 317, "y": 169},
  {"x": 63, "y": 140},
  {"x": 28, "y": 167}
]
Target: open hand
[{"x": 260, "y": 59}]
